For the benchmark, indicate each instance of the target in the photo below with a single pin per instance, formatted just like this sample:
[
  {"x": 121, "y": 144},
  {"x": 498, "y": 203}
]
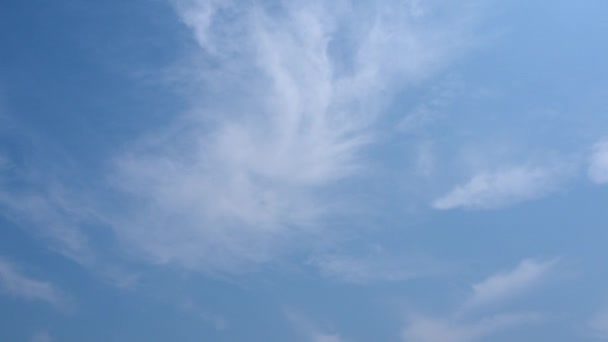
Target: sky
[{"x": 303, "y": 170}]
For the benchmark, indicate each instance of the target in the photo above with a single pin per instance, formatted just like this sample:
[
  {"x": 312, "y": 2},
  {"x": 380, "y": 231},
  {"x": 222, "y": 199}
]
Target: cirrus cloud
[
  {"x": 17, "y": 284},
  {"x": 291, "y": 96},
  {"x": 490, "y": 190},
  {"x": 598, "y": 163}
]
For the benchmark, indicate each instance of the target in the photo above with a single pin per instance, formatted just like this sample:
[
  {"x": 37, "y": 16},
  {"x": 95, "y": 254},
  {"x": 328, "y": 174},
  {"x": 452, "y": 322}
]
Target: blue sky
[{"x": 322, "y": 171}]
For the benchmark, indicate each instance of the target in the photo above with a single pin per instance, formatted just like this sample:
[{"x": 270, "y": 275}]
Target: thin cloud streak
[
  {"x": 375, "y": 268},
  {"x": 465, "y": 325},
  {"x": 598, "y": 163},
  {"x": 16, "y": 284},
  {"x": 310, "y": 330},
  {"x": 327, "y": 338},
  {"x": 51, "y": 216},
  {"x": 505, "y": 285},
  {"x": 598, "y": 325},
  {"x": 41, "y": 337},
  {"x": 492, "y": 190},
  {"x": 423, "y": 329}
]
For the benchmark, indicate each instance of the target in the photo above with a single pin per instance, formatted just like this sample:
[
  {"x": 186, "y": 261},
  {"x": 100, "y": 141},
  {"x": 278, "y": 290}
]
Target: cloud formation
[
  {"x": 598, "y": 163},
  {"x": 374, "y": 268},
  {"x": 490, "y": 190},
  {"x": 465, "y": 325},
  {"x": 504, "y": 285},
  {"x": 431, "y": 330},
  {"x": 598, "y": 324},
  {"x": 327, "y": 338},
  {"x": 286, "y": 98},
  {"x": 16, "y": 284},
  {"x": 52, "y": 216},
  {"x": 310, "y": 330},
  {"x": 42, "y": 336}
]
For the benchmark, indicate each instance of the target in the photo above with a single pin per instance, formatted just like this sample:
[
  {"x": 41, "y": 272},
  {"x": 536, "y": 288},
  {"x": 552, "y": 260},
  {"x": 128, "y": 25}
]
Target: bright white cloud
[
  {"x": 598, "y": 163},
  {"x": 505, "y": 285},
  {"x": 291, "y": 94},
  {"x": 489, "y": 190},
  {"x": 16, "y": 284}
]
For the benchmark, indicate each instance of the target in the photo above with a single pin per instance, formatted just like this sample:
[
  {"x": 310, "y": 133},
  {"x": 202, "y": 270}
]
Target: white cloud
[
  {"x": 50, "y": 216},
  {"x": 16, "y": 284},
  {"x": 505, "y": 285},
  {"x": 290, "y": 96},
  {"x": 421, "y": 329},
  {"x": 375, "y": 268},
  {"x": 464, "y": 325},
  {"x": 5, "y": 162},
  {"x": 425, "y": 165},
  {"x": 489, "y": 190},
  {"x": 432, "y": 108},
  {"x": 309, "y": 329},
  {"x": 598, "y": 324},
  {"x": 57, "y": 218},
  {"x": 41, "y": 337},
  {"x": 327, "y": 338},
  {"x": 35, "y": 196},
  {"x": 598, "y": 163},
  {"x": 61, "y": 213},
  {"x": 215, "y": 320}
]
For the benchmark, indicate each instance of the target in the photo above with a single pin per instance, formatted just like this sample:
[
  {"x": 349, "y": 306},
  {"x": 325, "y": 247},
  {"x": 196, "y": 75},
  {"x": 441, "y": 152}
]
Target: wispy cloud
[
  {"x": 505, "y": 285},
  {"x": 35, "y": 197},
  {"x": 464, "y": 325},
  {"x": 598, "y": 163},
  {"x": 49, "y": 216},
  {"x": 423, "y": 329},
  {"x": 215, "y": 320},
  {"x": 60, "y": 212},
  {"x": 290, "y": 96},
  {"x": 598, "y": 324},
  {"x": 42, "y": 336},
  {"x": 495, "y": 189},
  {"x": 326, "y": 338},
  {"x": 310, "y": 330},
  {"x": 433, "y": 107},
  {"x": 377, "y": 267},
  {"x": 17, "y": 284}
]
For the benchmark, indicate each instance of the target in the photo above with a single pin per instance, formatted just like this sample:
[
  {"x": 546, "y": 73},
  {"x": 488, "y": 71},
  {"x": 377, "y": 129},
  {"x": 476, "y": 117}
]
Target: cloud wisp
[
  {"x": 502, "y": 286},
  {"x": 16, "y": 284},
  {"x": 491, "y": 190},
  {"x": 598, "y": 163},
  {"x": 310, "y": 330},
  {"x": 375, "y": 268},
  {"x": 464, "y": 324},
  {"x": 423, "y": 329},
  {"x": 52, "y": 216},
  {"x": 42, "y": 336},
  {"x": 597, "y": 325},
  {"x": 285, "y": 100}
]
